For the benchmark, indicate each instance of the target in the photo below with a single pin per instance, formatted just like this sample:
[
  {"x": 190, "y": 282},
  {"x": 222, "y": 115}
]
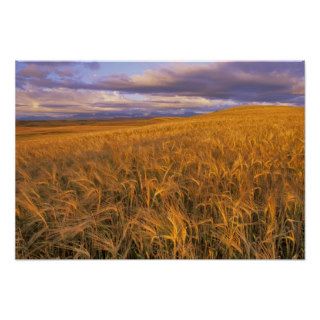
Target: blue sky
[{"x": 84, "y": 89}]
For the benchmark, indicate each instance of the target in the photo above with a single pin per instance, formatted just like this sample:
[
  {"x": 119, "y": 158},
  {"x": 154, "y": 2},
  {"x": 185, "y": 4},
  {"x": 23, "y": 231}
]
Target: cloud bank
[{"x": 86, "y": 89}]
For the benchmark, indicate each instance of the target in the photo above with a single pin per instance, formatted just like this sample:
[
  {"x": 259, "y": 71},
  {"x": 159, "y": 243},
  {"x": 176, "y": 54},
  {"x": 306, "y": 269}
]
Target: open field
[
  {"x": 44, "y": 129},
  {"x": 228, "y": 184}
]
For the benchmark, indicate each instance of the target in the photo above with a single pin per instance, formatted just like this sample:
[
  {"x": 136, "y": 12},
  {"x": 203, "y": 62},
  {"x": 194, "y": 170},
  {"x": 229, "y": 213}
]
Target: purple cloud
[
  {"x": 241, "y": 81},
  {"x": 179, "y": 88}
]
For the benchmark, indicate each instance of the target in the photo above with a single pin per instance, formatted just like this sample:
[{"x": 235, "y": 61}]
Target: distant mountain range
[{"x": 122, "y": 114}]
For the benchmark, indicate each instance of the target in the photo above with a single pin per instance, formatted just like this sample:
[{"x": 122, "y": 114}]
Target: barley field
[{"x": 225, "y": 185}]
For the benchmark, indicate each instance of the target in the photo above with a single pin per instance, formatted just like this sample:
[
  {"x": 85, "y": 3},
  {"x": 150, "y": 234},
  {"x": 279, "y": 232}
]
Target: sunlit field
[{"x": 225, "y": 185}]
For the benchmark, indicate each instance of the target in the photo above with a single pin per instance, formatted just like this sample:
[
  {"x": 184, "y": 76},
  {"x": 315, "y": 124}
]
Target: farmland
[{"x": 224, "y": 185}]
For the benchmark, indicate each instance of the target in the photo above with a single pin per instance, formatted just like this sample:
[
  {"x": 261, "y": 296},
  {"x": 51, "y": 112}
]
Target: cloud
[
  {"x": 52, "y": 100},
  {"x": 243, "y": 81},
  {"x": 71, "y": 102},
  {"x": 57, "y": 87},
  {"x": 238, "y": 81},
  {"x": 100, "y": 99},
  {"x": 51, "y": 74},
  {"x": 61, "y": 64}
]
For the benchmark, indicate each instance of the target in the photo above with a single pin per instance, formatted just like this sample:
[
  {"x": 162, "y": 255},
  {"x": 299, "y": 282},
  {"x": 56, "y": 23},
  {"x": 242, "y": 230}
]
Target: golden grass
[{"x": 225, "y": 185}]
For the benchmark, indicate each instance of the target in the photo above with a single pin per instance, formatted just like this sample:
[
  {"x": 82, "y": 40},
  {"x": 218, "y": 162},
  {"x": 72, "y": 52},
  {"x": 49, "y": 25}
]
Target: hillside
[{"x": 229, "y": 184}]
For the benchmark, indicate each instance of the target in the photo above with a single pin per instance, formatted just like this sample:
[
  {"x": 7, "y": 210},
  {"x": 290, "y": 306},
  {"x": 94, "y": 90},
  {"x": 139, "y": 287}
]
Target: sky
[{"x": 97, "y": 90}]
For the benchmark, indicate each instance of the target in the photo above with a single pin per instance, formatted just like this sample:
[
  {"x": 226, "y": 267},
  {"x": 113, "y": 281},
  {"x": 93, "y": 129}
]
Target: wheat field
[{"x": 225, "y": 185}]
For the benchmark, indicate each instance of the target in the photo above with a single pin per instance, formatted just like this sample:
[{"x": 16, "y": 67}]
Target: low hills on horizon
[{"x": 121, "y": 116}]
